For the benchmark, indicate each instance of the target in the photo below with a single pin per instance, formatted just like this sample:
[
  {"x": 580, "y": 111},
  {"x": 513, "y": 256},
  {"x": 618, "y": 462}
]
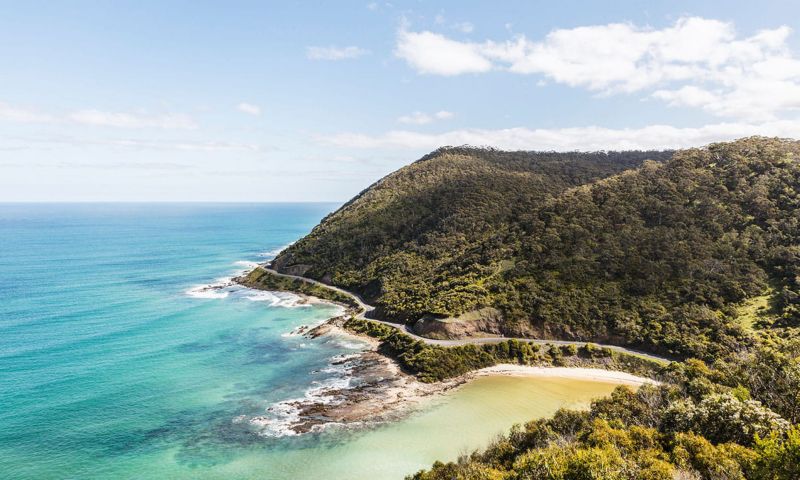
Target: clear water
[{"x": 109, "y": 369}]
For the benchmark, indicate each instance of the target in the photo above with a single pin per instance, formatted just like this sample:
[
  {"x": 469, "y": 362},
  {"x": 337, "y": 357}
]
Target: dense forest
[
  {"x": 693, "y": 254},
  {"x": 735, "y": 420},
  {"x": 656, "y": 250},
  {"x": 433, "y": 216}
]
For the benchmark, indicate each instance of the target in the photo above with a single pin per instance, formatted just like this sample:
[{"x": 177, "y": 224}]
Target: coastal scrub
[{"x": 433, "y": 363}]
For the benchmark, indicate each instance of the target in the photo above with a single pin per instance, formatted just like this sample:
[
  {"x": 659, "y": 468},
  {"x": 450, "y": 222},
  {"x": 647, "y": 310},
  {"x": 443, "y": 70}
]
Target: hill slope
[
  {"x": 603, "y": 247},
  {"x": 436, "y": 215}
]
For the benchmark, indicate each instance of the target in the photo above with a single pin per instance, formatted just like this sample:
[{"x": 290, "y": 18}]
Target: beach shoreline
[
  {"x": 576, "y": 373},
  {"x": 381, "y": 392},
  {"x": 378, "y": 390}
]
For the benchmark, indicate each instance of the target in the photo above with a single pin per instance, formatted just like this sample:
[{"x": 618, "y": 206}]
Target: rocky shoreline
[
  {"x": 378, "y": 391},
  {"x": 374, "y": 388}
]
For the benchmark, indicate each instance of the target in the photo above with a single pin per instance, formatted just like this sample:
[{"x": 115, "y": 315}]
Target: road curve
[{"x": 366, "y": 308}]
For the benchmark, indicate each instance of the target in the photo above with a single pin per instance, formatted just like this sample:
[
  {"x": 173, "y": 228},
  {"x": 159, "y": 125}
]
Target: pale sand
[
  {"x": 384, "y": 392},
  {"x": 334, "y": 327},
  {"x": 577, "y": 373}
]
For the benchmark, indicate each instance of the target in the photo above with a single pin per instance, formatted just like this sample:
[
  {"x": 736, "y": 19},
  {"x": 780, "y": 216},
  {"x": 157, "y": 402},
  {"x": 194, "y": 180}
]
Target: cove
[{"x": 456, "y": 423}]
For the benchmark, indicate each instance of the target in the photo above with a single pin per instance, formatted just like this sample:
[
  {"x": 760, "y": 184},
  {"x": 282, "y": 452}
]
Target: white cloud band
[
  {"x": 249, "y": 108},
  {"x": 98, "y": 118},
  {"x": 422, "y": 118},
  {"x": 335, "y": 53},
  {"x": 695, "y": 62},
  {"x": 566, "y": 139}
]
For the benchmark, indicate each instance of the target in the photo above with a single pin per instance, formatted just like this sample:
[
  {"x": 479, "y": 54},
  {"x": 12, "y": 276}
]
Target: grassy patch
[
  {"x": 756, "y": 310},
  {"x": 264, "y": 280}
]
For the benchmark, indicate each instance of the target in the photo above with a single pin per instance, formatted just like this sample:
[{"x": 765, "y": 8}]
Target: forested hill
[
  {"x": 663, "y": 255},
  {"x": 413, "y": 236}
]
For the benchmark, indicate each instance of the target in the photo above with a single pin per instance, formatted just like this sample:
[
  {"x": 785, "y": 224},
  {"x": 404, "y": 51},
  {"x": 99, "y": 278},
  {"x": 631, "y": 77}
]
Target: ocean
[{"x": 117, "y": 361}]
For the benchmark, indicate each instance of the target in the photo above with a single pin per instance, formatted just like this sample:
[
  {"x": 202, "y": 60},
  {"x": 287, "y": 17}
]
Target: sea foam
[
  {"x": 225, "y": 287},
  {"x": 220, "y": 288},
  {"x": 276, "y": 299},
  {"x": 283, "y": 417},
  {"x": 270, "y": 254}
]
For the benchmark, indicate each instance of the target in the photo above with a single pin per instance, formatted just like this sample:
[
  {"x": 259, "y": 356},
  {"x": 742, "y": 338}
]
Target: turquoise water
[
  {"x": 106, "y": 362},
  {"x": 116, "y": 362}
]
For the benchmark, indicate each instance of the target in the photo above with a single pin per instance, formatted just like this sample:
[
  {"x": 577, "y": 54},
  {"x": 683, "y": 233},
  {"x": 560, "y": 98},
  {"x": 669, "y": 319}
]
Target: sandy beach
[
  {"x": 578, "y": 373},
  {"x": 380, "y": 391}
]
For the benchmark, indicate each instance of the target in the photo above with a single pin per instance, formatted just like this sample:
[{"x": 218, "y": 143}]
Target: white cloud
[
  {"x": 98, "y": 118},
  {"x": 23, "y": 115},
  {"x": 335, "y": 53},
  {"x": 249, "y": 108},
  {"x": 421, "y": 118},
  {"x": 464, "y": 27},
  {"x": 191, "y": 146},
  {"x": 416, "y": 118},
  {"x": 567, "y": 139},
  {"x": 688, "y": 95},
  {"x": 432, "y": 53},
  {"x": 131, "y": 120},
  {"x": 39, "y": 142},
  {"x": 727, "y": 75}
]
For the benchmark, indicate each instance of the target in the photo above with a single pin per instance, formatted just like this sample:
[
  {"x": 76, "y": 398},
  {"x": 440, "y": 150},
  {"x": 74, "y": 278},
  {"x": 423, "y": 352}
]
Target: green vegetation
[
  {"x": 264, "y": 280},
  {"x": 427, "y": 238},
  {"x": 694, "y": 255},
  {"x": 757, "y": 310},
  {"x": 689, "y": 428},
  {"x": 586, "y": 445},
  {"x": 569, "y": 246},
  {"x": 737, "y": 419},
  {"x": 432, "y": 363}
]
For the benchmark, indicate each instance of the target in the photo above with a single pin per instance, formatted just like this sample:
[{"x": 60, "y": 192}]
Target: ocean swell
[
  {"x": 270, "y": 254},
  {"x": 225, "y": 287}
]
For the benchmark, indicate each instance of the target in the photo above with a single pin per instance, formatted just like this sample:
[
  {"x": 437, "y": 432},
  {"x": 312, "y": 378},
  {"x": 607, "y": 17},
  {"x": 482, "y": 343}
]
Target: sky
[{"x": 314, "y": 101}]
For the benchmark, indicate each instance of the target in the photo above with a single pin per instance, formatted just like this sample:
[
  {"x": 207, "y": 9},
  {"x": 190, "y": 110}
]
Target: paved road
[{"x": 366, "y": 308}]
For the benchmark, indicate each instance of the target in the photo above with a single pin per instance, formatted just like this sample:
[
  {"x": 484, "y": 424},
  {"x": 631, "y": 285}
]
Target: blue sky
[{"x": 313, "y": 101}]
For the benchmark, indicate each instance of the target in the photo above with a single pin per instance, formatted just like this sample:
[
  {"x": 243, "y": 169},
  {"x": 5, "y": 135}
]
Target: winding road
[{"x": 366, "y": 308}]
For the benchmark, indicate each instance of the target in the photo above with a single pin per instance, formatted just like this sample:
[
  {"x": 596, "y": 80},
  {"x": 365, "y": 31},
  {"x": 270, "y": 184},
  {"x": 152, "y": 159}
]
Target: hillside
[
  {"x": 609, "y": 247},
  {"x": 437, "y": 214},
  {"x": 434, "y": 218}
]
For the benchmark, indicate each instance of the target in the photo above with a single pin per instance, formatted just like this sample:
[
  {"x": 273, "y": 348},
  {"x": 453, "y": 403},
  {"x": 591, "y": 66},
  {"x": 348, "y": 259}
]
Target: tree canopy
[{"x": 647, "y": 249}]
